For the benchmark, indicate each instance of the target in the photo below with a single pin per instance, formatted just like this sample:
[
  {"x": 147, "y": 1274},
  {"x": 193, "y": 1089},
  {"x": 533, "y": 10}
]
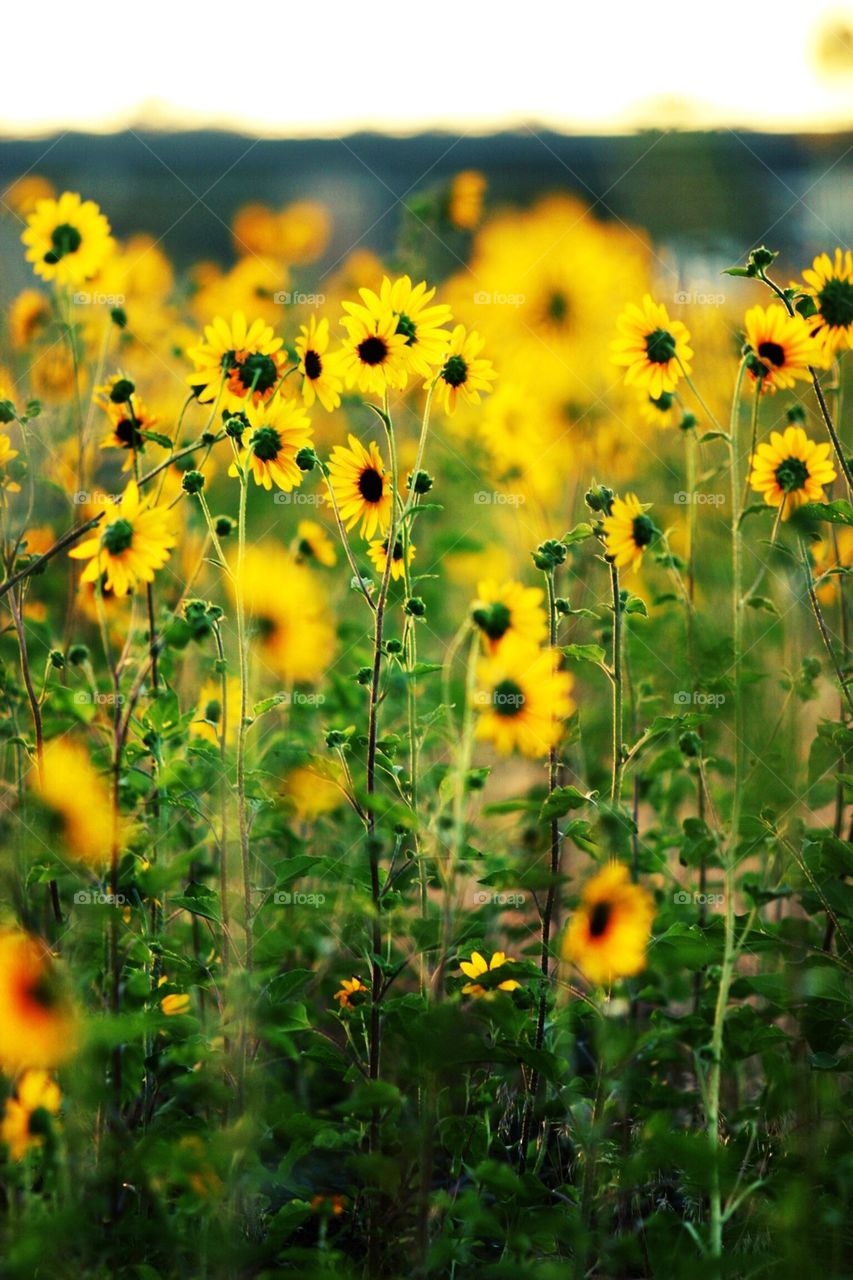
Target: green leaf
[
  {"x": 585, "y": 653},
  {"x": 198, "y": 899},
  {"x": 838, "y": 512},
  {"x": 762, "y": 602},
  {"x": 156, "y": 438},
  {"x": 561, "y": 801},
  {"x": 580, "y": 532}
]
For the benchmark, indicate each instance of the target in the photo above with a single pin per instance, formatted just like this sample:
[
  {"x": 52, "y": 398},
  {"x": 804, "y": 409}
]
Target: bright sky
[{"x": 276, "y": 68}]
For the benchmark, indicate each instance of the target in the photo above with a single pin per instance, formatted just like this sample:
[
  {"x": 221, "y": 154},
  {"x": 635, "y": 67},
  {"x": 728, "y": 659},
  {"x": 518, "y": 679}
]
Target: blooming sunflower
[
  {"x": 417, "y": 321},
  {"x": 30, "y": 316},
  {"x": 37, "y": 1024},
  {"x": 373, "y": 353},
  {"x": 378, "y": 552},
  {"x": 522, "y": 698},
  {"x": 78, "y": 799},
  {"x": 783, "y": 346},
  {"x": 659, "y": 411},
  {"x": 248, "y": 357},
  {"x": 362, "y": 489},
  {"x": 654, "y": 349},
  {"x": 608, "y": 934},
  {"x": 68, "y": 240},
  {"x": 510, "y": 609},
  {"x": 830, "y": 282},
  {"x": 314, "y": 543},
  {"x": 791, "y": 469},
  {"x": 135, "y": 541},
  {"x": 280, "y": 428},
  {"x": 350, "y": 988},
  {"x": 319, "y": 368},
  {"x": 294, "y": 631},
  {"x": 128, "y": 421},
  {"x": 477, "y": 966},
  {"x": 464, "y": 373},
  {"x": 22, "y": 1127},
  {"x": 7, "y": 455},
  {"x": 627, "y": 531}
]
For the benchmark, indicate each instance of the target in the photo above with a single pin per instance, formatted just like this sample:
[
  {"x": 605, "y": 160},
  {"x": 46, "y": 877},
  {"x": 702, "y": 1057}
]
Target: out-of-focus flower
[
  {"x": 509, "y": 609},
  {"x": 791, "y": 469},
  {"x": 311, "y": 790},
  {"x": 304, "y": 228},
  {"x": 68, "y": 240},
  {"x": 522, "y": 698},
  {"x": 25, "y": 192},
  {"x": 22, "y": 1127},
  {"x": 208, "y": 724},
  {"x": 38, "y": 1027},
  {"x": 175, "y": 1004},
  {"x": 52, "y": 375},
  {"x": 314, "y": 543},
  {"x": 608, "y": 934},
  {"x": 7, "y": 455},
  {"x": 135, "y": 541},
  {"x": 465, "y": 200},
  {"x": 294, "y": 632},
  {"x": 30, "y": 316},
  {"x": 76, "y": 794}
]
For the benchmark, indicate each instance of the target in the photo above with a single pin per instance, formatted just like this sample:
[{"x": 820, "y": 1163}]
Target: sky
[{"x": 276, "y": 69}]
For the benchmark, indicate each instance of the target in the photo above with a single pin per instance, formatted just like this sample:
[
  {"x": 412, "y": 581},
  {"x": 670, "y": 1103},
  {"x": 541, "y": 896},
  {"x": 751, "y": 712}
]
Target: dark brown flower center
[
  {"x": 372, "y": 351},
  {"x": 791, "y": 475},
  {"x": 599, "y": 919},
  {"x": 370, "y": 485},
  {"x": 313, "y": 365},
  {"x": 772, "y": 353},
  {"x": 508, "y": 699}
]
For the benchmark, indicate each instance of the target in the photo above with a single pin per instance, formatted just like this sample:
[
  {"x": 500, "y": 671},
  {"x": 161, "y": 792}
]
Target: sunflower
[
  {"x": 465, "y": 199},
  {"x": 417, "y": 321},
  {"x": 22, "y": 1127},
  {"x": 659, "y": 411},
  {"x": 134, "y": 541},
  {"x": 830, "y": 283},
  {"x": 78, "y": 799},
  {"x": 208, "y": 724},
  {"x": 314, "y": 543},
  {"x": 350, "y": 989},
  {"x": 464, "y": 373},
  {"x": 68, "y": 240},
  {"x": 783, "y": 347},
  {"x": 373, "y": 355},
  {"x": 522, "y": 698},
  {"x": 280, "y": 428},
  {"x": 361, "y": 488},
  {"x": 294, "y": 632},
  {"x": 627, "y": 531},
  {"x": 477, "y": 966},
  {"x": 7, "y": 455},
  {"x": 30, "y": 316},
  {"x": 654, "y": 349},
  {"x": 319, "y": 369},
  {"x": 37, "y": 1023},
  {"x": 128, "y": 421},
  {"x": 378, "y": 552},
  {"x": 249, "y": 358},
  {"x": 312, "y": 789},
  {"x": 608, "y": 934},
  {"x": 791, "y": 469},
  {"x": 510, "y": 609},
  {"x": 175, "y": 1004}
]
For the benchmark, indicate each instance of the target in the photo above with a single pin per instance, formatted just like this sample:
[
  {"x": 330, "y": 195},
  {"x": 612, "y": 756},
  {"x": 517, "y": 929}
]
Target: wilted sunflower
[
  {"x": 627, "y": 531},
  {"x": 248, "y": 357},
  {"x": 830, "y": 283},
  {"x": 314, "y": 543},
  {"x": 522, "y": 698},
  {"x": 279, "y": 429},
  {"x": 22, "y": 1126},
  {"x": 362, "y": 489},
  {"x": 68, "y": 240},
  {"x": 608, "y": 934},
  {"x": 783, "y": 345},
  {"x": 37, "y": 1024},
  {"x": 654, "y": 349},
  {"x": 319, "y": 368},
  {"x": 134, "y": 541},
  {"x": 378, "y": 552},
  {"x": 350, "y": 989},
  {"x": 791, "y": 469},
  {"x": 464, "y": 373},
  {"x": 77, "y": 796},
  {"x": 294, "y": 631},
  {"x": 507, "y": 610},
  {"x": 417, "y": 321},
  {"x": 373, "y": 353},
  {"x": 477, "y": 966}
]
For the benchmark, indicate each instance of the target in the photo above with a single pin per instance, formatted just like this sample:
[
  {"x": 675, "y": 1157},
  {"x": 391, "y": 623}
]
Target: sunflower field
[{"x": 426, "y": 733}]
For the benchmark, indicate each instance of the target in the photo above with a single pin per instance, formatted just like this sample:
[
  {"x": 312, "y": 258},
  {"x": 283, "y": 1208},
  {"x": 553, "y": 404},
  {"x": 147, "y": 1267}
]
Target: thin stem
[
  {"x": 67, "y": 540},
  {"x": 616, "y": 671},
  {"x": 823, "y": 629}
]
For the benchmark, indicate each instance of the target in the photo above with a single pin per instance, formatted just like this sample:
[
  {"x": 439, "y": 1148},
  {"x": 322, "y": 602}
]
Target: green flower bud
[
  {"x": 192, "y": 482},
  {"x": 78, "y": 654},
  {"x": 56, "y": 658},
  {"x": 415, "y": 607}
]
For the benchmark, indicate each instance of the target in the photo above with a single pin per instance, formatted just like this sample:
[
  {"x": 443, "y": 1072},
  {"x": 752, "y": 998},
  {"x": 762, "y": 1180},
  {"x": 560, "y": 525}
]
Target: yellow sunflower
[
  {"x": 294, "y": 630},
  {"x": 38, "y": 1027},
  {"x": 30, "y": 316},
  {"x": 609, "y": 932},
  {"x": 522, "y": 698},
  {"x": 248, "y": 357},
  {"x": 509, "y": 609},
  {"x": 465, "y": 199},
  {"x": 378, "y": 553},
  {"x": 22, "y": 1127},
  {"x": 830, "y": 283},
  {"x": 361, "y": 487},
  {"x": 312, "y": 789},
  {"x": 660, "y": 411},
  {"x": 134, "y": 541},
  {"x": 314, "y": 543},
  {"x": 79, "y": 799},
  {"x": 654, "y": 349},
  {"x": 7, "y": 455},
  {"x": 477, "y": 966},
  {"x": 464, "y": 373},
  {"x": 417, "y": 321},
  {"x": 627, "y": 531},
  {"x": 373, "y": 355},
  {"x": 783, "y": 347},
  {"x": 351, "y": 988},
  {"x": 791, "y": 469},
  {"x": 128, "y": 421},
  {"x": 279, "y": 429},
  {"x": 319, "y": 368},
  {"x": 68, "y": 240}
]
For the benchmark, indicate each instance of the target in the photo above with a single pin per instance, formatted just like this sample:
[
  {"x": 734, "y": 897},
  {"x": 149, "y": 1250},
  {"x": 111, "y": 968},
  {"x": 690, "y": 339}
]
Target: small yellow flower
[
  {"x": 175, "y": 1004},
  {"x": 609, "y": 932},
  {"x": 477, "y": 966},
  {"x": 465, "y": 373},
  {"x": 522, "y": 698},
  {"x": 351, "y": 989},
  {"x": 68, "y": 240},
  {"x": 362, "y": 489},
  {"x": 30, "y": 316},
  {"x": 627, "y": 531},
  {"x": 830, "y": 283},
  {"x": 135, "y": 540},
  {"x": 79, "y": 798},
  {"x": 465, "y": 201},
  {"x": 276, "y": 432},
  {"x": 378, "y": 553},
  {"x": 21, "y": 1129},
  {"x": 314, "y": 543},
  {"x": 373, "y": 355},
  {"x": 654, "y": 349},
  {"x": 791, "y": 469},
  {"x": 319, "y": 368},
  {"x": 783, "y": 345},
  {"x": 208, "y": 724},
  {"x": 7, "y": 455},
  {"x": 38, "y": 1027}
]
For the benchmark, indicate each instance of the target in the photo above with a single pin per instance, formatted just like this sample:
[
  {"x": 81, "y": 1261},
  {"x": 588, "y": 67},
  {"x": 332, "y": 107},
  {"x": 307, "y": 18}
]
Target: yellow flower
[
  {"x": 21, "y": 1129},
  {"x": 37, "y": 1024},
  {"x": 313, "y": 789},
  {"x": 25, "y": 192},
  {"x": 464, "y": 373},
  {"x": 465, "y": 202},
  {"x": 654, "y": 349},
  {"x": 295, "y": 635},
  {"x": 830, "y": 283},
  {"x": 78, "y": 797},
  {"x": 133, "y": 543},
  {"x": 29, "y": 317},
  {"x": 783, "y": 345},
  {"x": 477, "y": 966},
  {"x": 373, "y": 355},
  {"x": 248, "y": 358},
  {"x": 416, "y": 321},
  {"x": 314, "y": 543},
  {"x": 660, "y": 411},
  {"x": 208, "y": 725},
  {"x": 52, "y": 374},
  {"x": 627, "y": 531},
  {"x": 279, "y": 429},
  {"x": 127, "y": 423},
  {"x": 7, "y": 454},
  {"x": 362, "y": 489},
  {"x": 378, "y": 553},
  {"x": 175, "y": 1004},
  {"x": 791, "y": 469},
  {"x": 303, "y": 231},
  {"x": 509, "y": 609},
  {"x": 522, "y": 699},
  {"x": 350, "y": 988},
  {"x": 608, "y": 934},
  {"x": 319, "y": 369},
  {"x": 68, "y": 240}
]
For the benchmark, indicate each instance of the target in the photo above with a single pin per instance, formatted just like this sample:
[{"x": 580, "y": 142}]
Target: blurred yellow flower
[
  {"x": 68, "y": 240},
  {"x": 609, "y": 932},
  {"x": 78, "y": 796},
  {"x": 21, "y": 1128},
  {"x": 522, "y": 698},
  {"x": 38, "y": 1027}
]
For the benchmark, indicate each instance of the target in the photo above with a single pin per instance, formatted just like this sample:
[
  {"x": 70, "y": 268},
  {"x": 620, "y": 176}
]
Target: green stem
[{"x": 616, "y": 681}]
